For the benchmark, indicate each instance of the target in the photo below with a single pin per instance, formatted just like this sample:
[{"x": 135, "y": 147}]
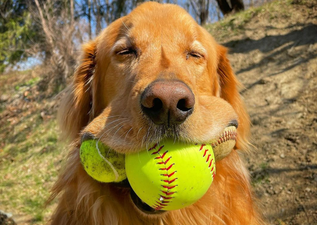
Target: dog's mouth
[
  {"x": 142, "y": 206},
  {"x": 139, "y": 204},
  {"x": 222, "y": 147}
]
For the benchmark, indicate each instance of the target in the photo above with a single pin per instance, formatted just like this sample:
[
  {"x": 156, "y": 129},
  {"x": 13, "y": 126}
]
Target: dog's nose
[{"x": 167, "y": 102}]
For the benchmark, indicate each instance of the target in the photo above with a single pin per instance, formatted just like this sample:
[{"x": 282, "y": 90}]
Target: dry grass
[{"x": 30, "y": 154}]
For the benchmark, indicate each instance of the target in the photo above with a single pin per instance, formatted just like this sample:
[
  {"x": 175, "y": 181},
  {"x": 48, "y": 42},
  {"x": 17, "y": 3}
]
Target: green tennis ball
[
  {"x": 171, "y": 175},
  {"x": 101, "y": 163}
]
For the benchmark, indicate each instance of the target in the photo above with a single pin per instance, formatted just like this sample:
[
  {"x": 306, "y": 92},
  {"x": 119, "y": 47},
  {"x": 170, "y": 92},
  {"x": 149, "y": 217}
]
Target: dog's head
[{"x": 150, "y": 75}]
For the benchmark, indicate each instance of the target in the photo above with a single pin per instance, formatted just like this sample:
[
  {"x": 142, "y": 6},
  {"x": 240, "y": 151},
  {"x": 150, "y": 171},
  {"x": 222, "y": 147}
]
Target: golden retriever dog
[{"x": 151, "y": 75}]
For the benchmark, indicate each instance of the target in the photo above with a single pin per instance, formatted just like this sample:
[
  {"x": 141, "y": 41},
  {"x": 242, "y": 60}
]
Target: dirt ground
[
  {"x": 276, "y": 61},
  {"x": 273, "y": 51}
]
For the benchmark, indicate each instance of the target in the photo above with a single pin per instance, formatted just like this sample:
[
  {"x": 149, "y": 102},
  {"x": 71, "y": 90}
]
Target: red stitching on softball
[
  {"x": 160, "y": 206},
  {"x": 211, "y": 162},
  {"x": 168, "y": 187},
  {"x": 208, "y": 157},
  {"x": 160, "y": 156},
  {"x": 168, "y": 168},
  {"x": 226, "y": 136},
  {"x": 164, "y": 162},
  {"x": 169, "y": 181},
  {"x": 158, "y": 150},
  {"x": 169, "y": 175},
  {"x": 201, "y": 147},
  {"x": 167, "y": 194},
  {"x": 153, "y": 147},
  {"x": 165, "y": 197}
]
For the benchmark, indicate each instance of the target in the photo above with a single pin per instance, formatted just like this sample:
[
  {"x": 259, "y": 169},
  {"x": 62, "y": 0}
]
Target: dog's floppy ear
[
  {"x": 229, "y": 90},
  {"x": 75, "y": 109}
]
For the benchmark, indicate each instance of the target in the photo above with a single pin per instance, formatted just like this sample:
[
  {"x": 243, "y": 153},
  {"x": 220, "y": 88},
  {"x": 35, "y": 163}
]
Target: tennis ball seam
[{"x": 169, "y": 182}]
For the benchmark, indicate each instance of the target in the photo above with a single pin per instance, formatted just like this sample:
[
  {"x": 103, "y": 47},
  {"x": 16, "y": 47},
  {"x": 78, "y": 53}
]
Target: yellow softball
[{"x": 171, "y": 175}]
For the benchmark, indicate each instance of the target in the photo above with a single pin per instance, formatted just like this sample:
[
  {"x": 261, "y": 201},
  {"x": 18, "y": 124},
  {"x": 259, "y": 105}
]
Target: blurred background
[
  {"x": 50, "y": 32},
  {"x": 272, "y": 48}
]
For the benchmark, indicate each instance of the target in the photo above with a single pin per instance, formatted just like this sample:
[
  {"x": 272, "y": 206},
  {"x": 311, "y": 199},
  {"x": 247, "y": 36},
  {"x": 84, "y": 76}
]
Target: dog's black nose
[{"x": 167, "y": 102}]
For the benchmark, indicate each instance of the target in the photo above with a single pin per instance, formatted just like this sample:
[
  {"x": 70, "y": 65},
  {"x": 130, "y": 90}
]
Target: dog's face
[{"x": 151, "y": 75}]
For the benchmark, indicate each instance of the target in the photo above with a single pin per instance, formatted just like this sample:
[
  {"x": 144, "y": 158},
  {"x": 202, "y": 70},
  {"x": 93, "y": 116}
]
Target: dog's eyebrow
[
  {"x": 197, "y": 46},
  {"x": 125, "y": 29},
  {"x": 125, "y": 25},
  {"x": 123, "y": 42}
]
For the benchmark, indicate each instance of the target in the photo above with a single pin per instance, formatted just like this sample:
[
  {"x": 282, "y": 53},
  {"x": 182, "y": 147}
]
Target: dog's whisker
[
  {"x": 114, "y": 135},
  {"x": 128, "y": 133},
  {"x": 143, "y": 140},
  {"x": 115, "y": 121},
  {"x": 137, "y": 135},
  {"x": 113, "y": 127},
  {"x": 146, "y": 140},
  {"x": 122, "y": 120}
]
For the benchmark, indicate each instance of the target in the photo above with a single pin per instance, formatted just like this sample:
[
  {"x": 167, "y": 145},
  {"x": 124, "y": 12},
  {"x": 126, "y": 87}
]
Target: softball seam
[
  {"x": 163, "y": 160},
  {"x": 167, "y": 168},
  {"x": 209, "y": 159},
  {"x": 226, "y": 136}
]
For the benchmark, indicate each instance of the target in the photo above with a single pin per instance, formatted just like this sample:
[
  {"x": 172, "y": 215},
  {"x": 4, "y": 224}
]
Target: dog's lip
[
  {"x": 142, "y": 206},
  {"x": 87, "y": 136}
]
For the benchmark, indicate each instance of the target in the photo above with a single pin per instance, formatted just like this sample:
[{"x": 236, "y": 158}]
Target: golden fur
[{"x": 104, "y": 101}]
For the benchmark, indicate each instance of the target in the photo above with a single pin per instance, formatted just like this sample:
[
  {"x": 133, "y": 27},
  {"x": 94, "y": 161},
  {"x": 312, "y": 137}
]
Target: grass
[
  {"x": 30, "y": 153},
  {"x": 236, "y": 25},
  {"x": 30, "y": 170}
]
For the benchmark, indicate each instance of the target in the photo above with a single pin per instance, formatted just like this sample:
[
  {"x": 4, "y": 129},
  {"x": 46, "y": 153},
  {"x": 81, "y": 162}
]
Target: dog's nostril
[
  {"x": 157, "y": 105},
  {"x": 167, "y": 102},
  {"x": 183, "y": 105}
]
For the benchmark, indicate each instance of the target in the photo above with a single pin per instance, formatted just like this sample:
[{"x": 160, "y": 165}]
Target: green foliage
[{"x": 16, "y": 31}]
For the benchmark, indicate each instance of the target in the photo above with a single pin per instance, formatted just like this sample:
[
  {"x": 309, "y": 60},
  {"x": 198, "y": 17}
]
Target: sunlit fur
[{"x": 104, "y": 101}]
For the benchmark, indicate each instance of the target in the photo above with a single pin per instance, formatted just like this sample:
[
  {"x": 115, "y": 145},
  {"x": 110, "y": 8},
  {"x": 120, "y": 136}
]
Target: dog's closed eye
[
  {"x": 127, "y": 51},
  {"x": 193, "y": 54},
  {"x": 124, "y": 47}
]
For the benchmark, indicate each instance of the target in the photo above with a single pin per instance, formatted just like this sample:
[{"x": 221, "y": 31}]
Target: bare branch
[{"x": 44, "y": 25}]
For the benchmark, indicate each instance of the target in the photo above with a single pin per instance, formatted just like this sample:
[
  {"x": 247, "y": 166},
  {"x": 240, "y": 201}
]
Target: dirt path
[
  {"x": 276, "y": 60},
  {"x": 274, "y": 54}
]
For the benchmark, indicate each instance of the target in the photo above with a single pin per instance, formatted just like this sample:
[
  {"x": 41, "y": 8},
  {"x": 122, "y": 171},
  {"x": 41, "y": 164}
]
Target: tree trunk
[
  {"x": 237, "y": 5},
  {"x": 201, "y": 10},
  {"x": 230, "y": 6},
  {"x": 204, "y": 11}
]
